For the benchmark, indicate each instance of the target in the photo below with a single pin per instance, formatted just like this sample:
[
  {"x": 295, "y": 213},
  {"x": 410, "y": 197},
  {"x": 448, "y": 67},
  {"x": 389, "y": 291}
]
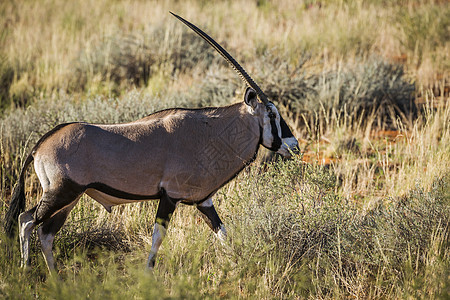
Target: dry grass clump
[{"x": 387, "y": 163}]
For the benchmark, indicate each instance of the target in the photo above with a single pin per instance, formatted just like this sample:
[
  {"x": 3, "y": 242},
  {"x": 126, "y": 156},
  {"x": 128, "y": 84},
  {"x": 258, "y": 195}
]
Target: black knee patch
[
  {"x": 166, "y": 207},
  {"x": 55, "y": 223}
]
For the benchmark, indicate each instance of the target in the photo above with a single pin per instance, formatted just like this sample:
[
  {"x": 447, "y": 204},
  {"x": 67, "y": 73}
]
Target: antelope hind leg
[
  {"x": 47, "y": 232},
  {"x": 211, "y": 218},
  {"x": 26, "y": 225},
  {"x": 52, "y": 211}
]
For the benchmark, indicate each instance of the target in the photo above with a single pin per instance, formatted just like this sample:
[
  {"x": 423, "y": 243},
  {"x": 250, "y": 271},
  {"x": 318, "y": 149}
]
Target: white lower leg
[
  {"x": 158, "y": 235},
  {"x": 47, "y": 246},
  {"x": 222, "y": 234},
  {"x": 26, "y": 225}
]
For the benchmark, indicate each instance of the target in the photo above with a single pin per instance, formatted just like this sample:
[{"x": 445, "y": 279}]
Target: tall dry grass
[
  {"x": 44, "y": 45},
  {"x": 364, "y": 84}
]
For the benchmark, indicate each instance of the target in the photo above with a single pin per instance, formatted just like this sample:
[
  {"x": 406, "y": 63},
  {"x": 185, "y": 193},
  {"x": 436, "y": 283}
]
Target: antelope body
[{"x": 175, "y": 155}]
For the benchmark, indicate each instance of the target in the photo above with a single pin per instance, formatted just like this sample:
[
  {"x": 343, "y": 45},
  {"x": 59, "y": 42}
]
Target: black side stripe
[{"x": 120, "y": 194}]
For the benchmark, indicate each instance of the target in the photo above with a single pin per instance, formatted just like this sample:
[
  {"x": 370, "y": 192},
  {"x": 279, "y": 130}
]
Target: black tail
[{"x": 17, "y": 203}]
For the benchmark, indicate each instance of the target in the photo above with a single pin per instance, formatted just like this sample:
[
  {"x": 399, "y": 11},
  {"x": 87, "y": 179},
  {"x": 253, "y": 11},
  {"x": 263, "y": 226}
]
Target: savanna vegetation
[{"x": 363, "y": 212}]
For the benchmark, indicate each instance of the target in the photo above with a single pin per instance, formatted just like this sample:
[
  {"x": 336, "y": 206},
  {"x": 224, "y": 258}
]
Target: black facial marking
[
  {"x": 276, "y": 143},
  {"x": 285, "y": 131}
]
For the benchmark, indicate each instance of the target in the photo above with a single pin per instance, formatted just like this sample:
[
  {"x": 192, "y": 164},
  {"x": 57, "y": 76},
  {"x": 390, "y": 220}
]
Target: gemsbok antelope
[{"x": 175, "y": 155}]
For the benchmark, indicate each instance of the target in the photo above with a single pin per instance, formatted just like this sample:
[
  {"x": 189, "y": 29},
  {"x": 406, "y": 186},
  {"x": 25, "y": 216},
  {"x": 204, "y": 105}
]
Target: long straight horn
[{"x": 247, "y": 79}]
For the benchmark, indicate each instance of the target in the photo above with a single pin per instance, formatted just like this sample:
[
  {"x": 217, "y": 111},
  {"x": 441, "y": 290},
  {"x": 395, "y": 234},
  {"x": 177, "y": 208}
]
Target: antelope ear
[{"x": 250, "y": 98}]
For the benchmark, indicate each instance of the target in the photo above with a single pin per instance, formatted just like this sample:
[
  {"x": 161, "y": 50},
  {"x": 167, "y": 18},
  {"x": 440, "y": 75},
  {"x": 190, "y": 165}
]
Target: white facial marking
[
  {"x": 267, "y": 127},
  {"x": 288, "y": 144}
]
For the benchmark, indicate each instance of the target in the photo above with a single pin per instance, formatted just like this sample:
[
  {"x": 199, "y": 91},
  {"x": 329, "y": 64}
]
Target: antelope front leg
[
  {"x": 166, "y": 207},
  {"x": 211, "y": 217}
]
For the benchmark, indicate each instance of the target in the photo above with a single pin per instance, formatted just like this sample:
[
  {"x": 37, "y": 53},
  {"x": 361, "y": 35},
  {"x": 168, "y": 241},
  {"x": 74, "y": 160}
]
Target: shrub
[
  {"x": 132, "y": 59},
  {"x": 424, "y": 30},
  {"x": 290, "y": 216},
  {"x": 371, "y": 87}
]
